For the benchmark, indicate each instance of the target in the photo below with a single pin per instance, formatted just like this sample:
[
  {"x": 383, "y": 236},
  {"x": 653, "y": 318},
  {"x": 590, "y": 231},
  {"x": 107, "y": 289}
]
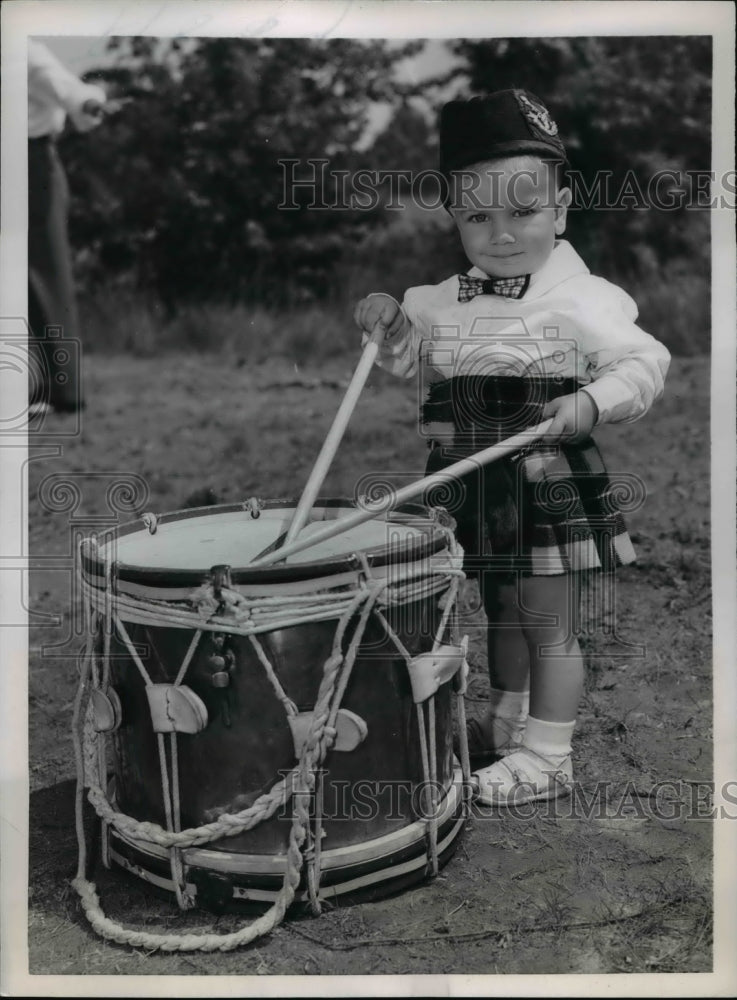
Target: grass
[
  {"x": 129, "y": 323},
  {"x": 674, "y": 303},
  {"x": 543, "y": 892}
]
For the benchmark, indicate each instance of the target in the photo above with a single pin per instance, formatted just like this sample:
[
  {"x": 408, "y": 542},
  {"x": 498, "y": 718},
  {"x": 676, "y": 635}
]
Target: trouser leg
[{"x": 52, "y": 305}]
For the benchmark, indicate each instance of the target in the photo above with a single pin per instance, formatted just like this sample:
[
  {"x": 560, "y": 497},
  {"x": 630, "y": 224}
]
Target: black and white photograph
[{"x": 367, "y": 471}]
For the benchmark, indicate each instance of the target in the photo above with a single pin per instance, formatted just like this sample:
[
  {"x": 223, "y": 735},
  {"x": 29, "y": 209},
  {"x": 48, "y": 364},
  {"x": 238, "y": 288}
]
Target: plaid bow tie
[{"x": 512, "y": 288}]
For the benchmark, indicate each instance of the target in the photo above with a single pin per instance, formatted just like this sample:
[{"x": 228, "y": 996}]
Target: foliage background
[{"x": 175, "y": 217}]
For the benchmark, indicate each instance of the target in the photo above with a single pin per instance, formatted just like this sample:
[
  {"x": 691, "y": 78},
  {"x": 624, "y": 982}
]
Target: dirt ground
[{"x": 625, "y": 889}]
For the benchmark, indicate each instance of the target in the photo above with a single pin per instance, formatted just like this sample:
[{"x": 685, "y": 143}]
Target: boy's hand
[
  {"x": 379, "y": 307},
  {"x": 574, "y": 417}
]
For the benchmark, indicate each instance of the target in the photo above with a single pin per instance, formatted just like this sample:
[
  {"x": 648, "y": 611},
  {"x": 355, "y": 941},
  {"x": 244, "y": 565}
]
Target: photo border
[{"x": 407, "y": 19}]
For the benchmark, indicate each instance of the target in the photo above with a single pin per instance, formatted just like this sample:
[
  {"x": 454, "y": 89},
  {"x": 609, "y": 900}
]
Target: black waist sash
[{"x": 484, "y": 409}]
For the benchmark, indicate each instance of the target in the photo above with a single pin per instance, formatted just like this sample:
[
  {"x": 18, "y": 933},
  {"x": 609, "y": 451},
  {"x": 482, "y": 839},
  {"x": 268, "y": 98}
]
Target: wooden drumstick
[
  {"x": 458, "y": 469},
  {"x": 333, "y": 439}
]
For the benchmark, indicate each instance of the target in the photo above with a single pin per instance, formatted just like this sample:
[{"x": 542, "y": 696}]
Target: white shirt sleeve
[
  {"x": 627, "y": 365},
  {"x": 52, "y": 89}
]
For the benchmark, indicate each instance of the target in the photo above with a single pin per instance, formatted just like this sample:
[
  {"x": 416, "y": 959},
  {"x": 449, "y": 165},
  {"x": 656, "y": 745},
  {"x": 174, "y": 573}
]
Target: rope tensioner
[{"x": 220, "y": 610}]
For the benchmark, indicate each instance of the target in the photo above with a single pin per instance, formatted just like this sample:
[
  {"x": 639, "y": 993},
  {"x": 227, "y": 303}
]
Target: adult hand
[
  {"x": 574, "y": 417},
  {"x": 90, "y": 114},
  {"x": 93, "y": 108}
]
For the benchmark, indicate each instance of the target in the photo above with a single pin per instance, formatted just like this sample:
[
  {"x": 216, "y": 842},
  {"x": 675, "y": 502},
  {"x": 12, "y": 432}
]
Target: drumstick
[
  {"x": 458, "y": 469},
  {"x": 330, "y": 445}
]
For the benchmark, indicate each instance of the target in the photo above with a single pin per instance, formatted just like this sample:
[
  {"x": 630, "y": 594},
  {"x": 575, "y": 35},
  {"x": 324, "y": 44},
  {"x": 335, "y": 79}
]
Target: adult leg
[{"x": 51, "y": 286}]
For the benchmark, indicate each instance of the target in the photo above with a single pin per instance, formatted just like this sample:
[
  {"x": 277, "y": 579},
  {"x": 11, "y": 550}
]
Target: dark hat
[{"x": 505, "y": 123}]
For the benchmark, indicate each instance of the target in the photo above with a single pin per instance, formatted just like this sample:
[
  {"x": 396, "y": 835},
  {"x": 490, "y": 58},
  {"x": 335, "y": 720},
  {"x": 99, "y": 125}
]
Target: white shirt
[
  {"x": 54, "y": 92},
  {"x": 568, "y": 323}
]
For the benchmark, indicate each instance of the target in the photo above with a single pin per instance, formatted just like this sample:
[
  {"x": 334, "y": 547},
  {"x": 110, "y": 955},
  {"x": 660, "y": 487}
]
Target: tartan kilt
[{"x": 549, "y": 509}]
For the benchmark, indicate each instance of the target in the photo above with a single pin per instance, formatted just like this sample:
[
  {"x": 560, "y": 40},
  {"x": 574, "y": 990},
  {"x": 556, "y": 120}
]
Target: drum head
[
  {"x": 236, "y": 539},
  {"x": 187, "y": 544}
]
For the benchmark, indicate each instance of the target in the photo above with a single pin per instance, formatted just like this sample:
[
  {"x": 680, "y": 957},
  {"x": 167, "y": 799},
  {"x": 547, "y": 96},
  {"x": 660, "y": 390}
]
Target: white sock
[
  {"x": 504, "y": 722},
  {"x": 552, "y": 740},
  {"x": 509, "y": 704}
]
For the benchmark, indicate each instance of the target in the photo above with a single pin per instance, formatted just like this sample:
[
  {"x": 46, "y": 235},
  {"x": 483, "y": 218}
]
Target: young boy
[{"x": 527, "y": 334}]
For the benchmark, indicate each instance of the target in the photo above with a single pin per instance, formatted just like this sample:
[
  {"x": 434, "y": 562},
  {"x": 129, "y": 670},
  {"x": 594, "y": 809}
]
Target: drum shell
[{"x": 247, "y": 744}]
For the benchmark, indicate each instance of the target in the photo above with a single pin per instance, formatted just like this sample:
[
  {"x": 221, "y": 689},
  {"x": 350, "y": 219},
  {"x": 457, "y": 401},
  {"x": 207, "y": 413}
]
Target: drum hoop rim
[{"x": 424, "y": 544}]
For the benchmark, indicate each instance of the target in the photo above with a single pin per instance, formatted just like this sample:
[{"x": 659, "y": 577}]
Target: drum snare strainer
[{"x": 278, "y": 734}]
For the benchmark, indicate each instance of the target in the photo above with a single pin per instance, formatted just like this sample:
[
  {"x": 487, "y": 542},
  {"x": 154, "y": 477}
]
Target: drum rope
[
  {"x": 463, "y": 740},
  {"x": 428, "y": 754},
  {"x": 98, "y": 682},
  {"x": 184, "y": 898},
  {"x": 101, "y": 737},
  {"x": 96, "y": 744},
  {"x": 107, "y": 619},
  {"x": 175, "y": 861},
  {"x": 303, "y": 782},
  {"x": 330, "y": 695},
  {"x": 107, "y": 640},
  {"x": 370, "y": 597},
  {"x": 188, "y": 657},
  {"x": 432, "y": 822},
  {"x": 169, "y": 791},
  {"x": 132, "y": 651},
  {"x": 422, "y": 732},
  {"x": 461, "y": 720},
  {"x": 79, "y": 742},
  {"x": 189, "y": 942},
  {"x": 313, "y": 852},
  {"x": 299, "y": 784},
  {"x": 427, "y": 770},
  {"x": 401, "y": 648},
  {"x": 289, "y": 707},
  {"x": 261, "y": 614},
  {"x": 448, "y": 602},
  {"x": 226, "y": 825}
]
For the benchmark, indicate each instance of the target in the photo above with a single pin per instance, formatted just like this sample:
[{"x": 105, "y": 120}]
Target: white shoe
[
  {"x": 494, "y": 736},
  {"x": 523, "y": 776}
]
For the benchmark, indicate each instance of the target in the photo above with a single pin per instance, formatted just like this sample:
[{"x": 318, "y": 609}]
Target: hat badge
[{"x": 537, "y": 115}]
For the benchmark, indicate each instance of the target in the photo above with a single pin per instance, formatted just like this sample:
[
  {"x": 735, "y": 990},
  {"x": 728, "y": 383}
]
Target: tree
[{"x": 183, "y": 193}]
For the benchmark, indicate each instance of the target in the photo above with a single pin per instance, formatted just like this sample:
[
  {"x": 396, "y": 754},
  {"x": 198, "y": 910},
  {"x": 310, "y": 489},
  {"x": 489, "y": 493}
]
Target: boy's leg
[
  {"x": 541, "y": 768},
  {"x": 501, "y": 728},
  {"x": 509, "y": 659},
  {"x": 548, "y": 609}
]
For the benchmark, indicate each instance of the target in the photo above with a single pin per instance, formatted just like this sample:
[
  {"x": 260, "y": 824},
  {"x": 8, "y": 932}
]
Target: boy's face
[{"x": 508, "y": 214}]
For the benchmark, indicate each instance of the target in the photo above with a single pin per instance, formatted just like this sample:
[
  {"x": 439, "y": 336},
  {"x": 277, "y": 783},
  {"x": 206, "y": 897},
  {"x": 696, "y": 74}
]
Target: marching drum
[{"x": 279, "y": 733}]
